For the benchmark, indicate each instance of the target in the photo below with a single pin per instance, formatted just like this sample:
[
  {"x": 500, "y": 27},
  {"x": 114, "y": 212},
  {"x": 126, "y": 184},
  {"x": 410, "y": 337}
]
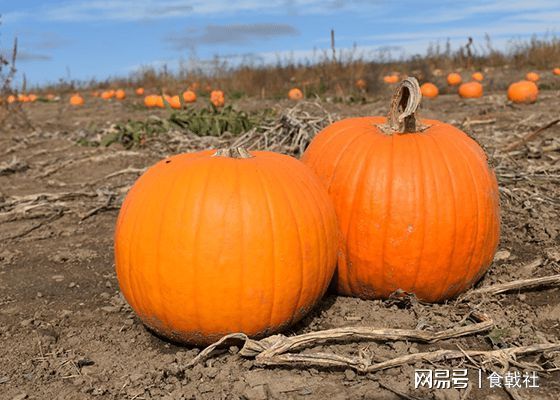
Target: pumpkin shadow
[{"x": 310, "y": 318}]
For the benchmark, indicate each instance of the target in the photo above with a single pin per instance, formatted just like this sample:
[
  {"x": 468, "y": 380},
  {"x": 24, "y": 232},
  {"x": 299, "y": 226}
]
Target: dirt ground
[{"x": 67, "y": 333}]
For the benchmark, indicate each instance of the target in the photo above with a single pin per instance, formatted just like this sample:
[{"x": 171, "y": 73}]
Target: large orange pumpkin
[
  {"x": 532, "y": 76},
  {"x": 429, "y": 90},
  {"x": 454, "y": 79},
  {"x": 477, "y": 76},
  {"x": 471, "y": 90},
  {"x": 211, "y": 243},
  {"x": 417, "y": 203},
  {"x": 295, "y": 94},
  {"x": 76, "y": 100},
  {"x": 523, "y": 92},
  {"x": 189, "y": 96},
  {"x": 217, "y": 98}
]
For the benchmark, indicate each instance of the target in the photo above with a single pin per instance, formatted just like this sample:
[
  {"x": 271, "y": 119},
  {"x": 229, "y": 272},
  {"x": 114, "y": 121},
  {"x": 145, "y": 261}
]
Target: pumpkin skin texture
[
  {"x": 454, "y": 79},
  {"x": 429, "y": 90},
  {"x": 532, "y": 76},
  {"x": 295, "y": 94},
  {"x": 523, "y": 92},
  {"x": 471, "y": 90},
  {"x": 417, "y": 211},
  {"x": 208, "y": 245}
]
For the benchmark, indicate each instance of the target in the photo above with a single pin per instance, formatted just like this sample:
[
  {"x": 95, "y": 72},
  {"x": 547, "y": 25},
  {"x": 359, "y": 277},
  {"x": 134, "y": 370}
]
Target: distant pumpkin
[
  {"x": 173, "y": 101},
  {"x": 361, "y": 84},
  {"x": 50, "y": 96},
  {"x": 217, "y": 98},
  {"x": 523, "y": 92},
  {"x": 532, "y": 76},
  {"x": 76, "y": 100},
  {"x": 477, "y": 76},
  {"x": 393, "y": 78},
  {"x": 139, "y": 91},
  {"x": 556, "y": 71},
  {"x": 189, "y": 96},
  {"x": 295, "y": 94},
  {"x": 471, "y": 90},
  {"x": 11, "y": 99},
  {"x": 120, "y": 94},
  {"x": 32, "y": 97},
  {"x": 22, "y": 98},
  {"x": 454, "y": 79},
  {"x": 429, "y": 90},
  {"x": 108, "y": 94}
]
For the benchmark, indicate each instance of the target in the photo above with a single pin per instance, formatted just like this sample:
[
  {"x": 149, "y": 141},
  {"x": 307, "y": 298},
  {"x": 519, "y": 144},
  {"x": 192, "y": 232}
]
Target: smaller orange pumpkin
[
  {"x": 173, "y": 101},
  {"x": 139, "y": 91},
  {"x": 361, "y": 84},
  {"x": 393, "y": 78},
  {"x": 429, "y": 90},
  {"x": 150, "y": 101},
  {"x": 477, "y": 76},
  {"x": 471, "y": 90},
  {"x": 22, "y": 98},
  {"x": 120, "y": 94},
  {"x": 217, "y": 98},
  {"x": 532, "y": 76},
  {"x": 158, "y": 101},
  {"x": 454, "y": 79},
  {"x": 556, "y": 71},
  {"x": 189, "y": 96},
  {"x": 295, "y": 94},
  {"x": 523, "y": 92},
  {"x": 108, "y": 94},
  {"x": 32, "y": 97},
  {"x": 76, "y": 100},
  {"x": 11, "y": 99}
]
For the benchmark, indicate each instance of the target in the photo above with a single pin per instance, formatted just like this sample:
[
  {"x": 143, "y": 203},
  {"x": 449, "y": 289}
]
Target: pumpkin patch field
[
  {"x": 354, "y": 250},
  {"x": 205, "y": 201}
]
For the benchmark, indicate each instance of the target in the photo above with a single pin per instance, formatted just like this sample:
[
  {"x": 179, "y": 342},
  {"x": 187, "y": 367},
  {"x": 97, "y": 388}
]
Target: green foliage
[{"x": 201, "y": 122}]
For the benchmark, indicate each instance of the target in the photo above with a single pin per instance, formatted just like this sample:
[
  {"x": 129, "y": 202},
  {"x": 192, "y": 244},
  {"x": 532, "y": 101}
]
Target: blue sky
[{"x": 83, "y": 39}]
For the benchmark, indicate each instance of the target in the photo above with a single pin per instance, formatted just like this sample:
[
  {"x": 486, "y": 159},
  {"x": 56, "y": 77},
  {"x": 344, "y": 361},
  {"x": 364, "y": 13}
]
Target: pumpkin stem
[
  {"x": 233, "y": 152},
  {"x": 407, "y": 98}
]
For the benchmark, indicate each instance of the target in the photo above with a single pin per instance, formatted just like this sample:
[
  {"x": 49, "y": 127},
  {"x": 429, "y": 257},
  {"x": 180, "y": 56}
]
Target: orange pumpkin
[
  {"x": 361, "y": 84},
  {"x": 471, "y": 90},
  {"x": 556, "y": 71},
  {"x": 108, "y": 94},
  {"x": 454, "y": 79},
  {"x": 477, "y": 76},
  {"x": 76, "y": 100},
  {"x": 32, "y": 97},
  {"x": 532, "y": 76},
  {"x": 173, "y": 101},
  {"x": 211, "y": 243},
  {"x": 95, "y": 93},
  {"x": 393, "y": 78},
  {"x": 417, "y": 203},
  {"x": 22, "y": 98},
  {"x": 120, "y": 94},
  {"x": 139, "y": 91},
  {"x": 150, "y": 101},
  {"x": 189, "y": 96},
  {"x": 11, "y": 99},
  {"x": 295, "y": 94},
  {"x": 429, "y": 90},
  {"x": 217, "y": 98},
  {"x": 523, "y": 92}
]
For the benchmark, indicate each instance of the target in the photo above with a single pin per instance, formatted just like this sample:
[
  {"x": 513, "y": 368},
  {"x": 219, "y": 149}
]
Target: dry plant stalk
[
  {"x": 528, "y": 136},
  {"x": 521, "y": 284},
  {"x": 276, "y": 347}
]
